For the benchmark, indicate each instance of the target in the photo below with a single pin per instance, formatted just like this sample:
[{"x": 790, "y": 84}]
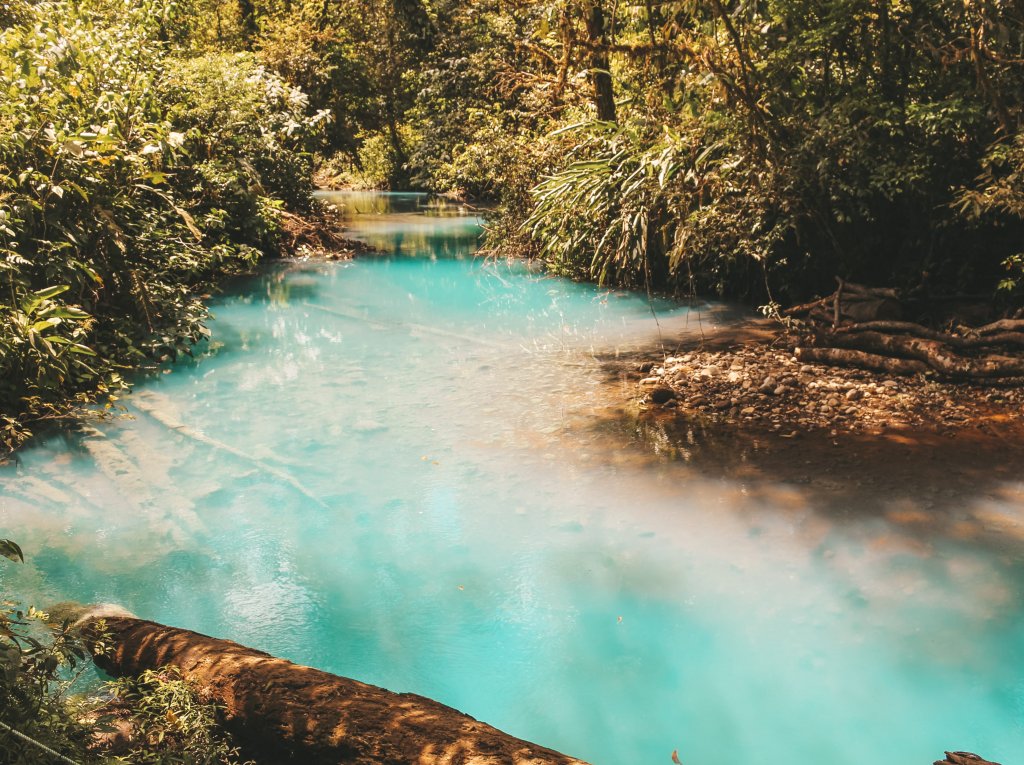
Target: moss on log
[{"x": 284, "y": 712}]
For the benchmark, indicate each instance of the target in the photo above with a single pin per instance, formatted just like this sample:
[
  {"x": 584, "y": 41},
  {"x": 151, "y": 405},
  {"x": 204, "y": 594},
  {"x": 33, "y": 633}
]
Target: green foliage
[
  {"x": 997, "y": 196},
  {"x": 172, "y": 721},
  {"x": 36, "y": 661},
  {"x": 807, "y": 139},
  {"x": 379, "y": 162},
  {"x": 131, "y": 176},
  {"x": 177, "y": 722}
]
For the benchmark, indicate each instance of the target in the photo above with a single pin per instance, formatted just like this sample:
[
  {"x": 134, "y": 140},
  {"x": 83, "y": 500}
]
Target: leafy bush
[
  {"x": 758, "y": 149},
  {"x": 176, "y": 722},
  {"x": 130, "y": 176},
  {"x": 170, "y": 721},
  {"x": 34, "y": 662}
]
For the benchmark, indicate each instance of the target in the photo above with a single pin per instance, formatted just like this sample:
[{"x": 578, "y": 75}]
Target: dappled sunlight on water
[{"x": 412, "y": 470}]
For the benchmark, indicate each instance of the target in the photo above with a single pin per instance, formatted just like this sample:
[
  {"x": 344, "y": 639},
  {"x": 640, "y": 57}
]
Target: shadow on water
[{"x": 922, "y": 483}]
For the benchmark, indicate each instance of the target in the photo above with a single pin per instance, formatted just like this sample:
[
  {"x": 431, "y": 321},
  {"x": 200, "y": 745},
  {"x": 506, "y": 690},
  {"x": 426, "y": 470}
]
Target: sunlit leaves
[{"x": 129, "y": 176}]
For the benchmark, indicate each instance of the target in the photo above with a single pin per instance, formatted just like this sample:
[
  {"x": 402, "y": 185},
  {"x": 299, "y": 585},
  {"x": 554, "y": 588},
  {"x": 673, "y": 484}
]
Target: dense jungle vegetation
[{"x": 755, "y": 149}]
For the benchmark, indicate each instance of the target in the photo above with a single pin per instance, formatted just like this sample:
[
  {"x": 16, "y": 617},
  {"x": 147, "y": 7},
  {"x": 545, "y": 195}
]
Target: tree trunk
[
  {"x": 290, "y": 713},
  {"x": 600, "y": 74},
  {"x": 247, "y": 12}
]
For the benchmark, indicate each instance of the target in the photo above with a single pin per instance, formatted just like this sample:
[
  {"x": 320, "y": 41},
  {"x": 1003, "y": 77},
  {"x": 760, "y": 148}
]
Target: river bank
[
  {"x": 920, "y": 453},
  {"x": 739, "y": 404},
  {"x": 757, "y": 381}
]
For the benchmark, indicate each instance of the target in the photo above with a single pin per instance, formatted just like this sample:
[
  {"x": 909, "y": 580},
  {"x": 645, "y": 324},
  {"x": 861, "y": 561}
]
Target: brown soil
[{"x": 761, "y": 384}]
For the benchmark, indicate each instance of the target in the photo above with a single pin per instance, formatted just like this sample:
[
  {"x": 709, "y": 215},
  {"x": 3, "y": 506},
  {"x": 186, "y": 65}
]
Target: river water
[{"x": 394, "y": 469}]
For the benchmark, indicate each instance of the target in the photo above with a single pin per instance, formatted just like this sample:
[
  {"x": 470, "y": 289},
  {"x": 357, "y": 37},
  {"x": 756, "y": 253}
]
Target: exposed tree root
[
  {"x": 978, "y": 340},
  {"x": 319, "y": 234},
  {"x": 862, "y": 326},
  {"x": 841, "y": 357},
  {"x": 937, "y": 355},
  {"x": 1003, "y": 325}
]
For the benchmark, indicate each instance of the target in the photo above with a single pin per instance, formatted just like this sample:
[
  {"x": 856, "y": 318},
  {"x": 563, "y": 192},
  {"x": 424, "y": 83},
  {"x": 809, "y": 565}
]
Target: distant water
[{"x": 389, "y": 469}]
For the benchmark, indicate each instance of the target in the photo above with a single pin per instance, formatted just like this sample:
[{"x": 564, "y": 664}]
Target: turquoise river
[{"x": 400, "y": 469}]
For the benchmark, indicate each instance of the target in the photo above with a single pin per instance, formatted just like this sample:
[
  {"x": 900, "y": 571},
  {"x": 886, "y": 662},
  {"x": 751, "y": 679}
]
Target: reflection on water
[
  {"x": 389, "y": 469},
  {"x": 411, "y": 223}
]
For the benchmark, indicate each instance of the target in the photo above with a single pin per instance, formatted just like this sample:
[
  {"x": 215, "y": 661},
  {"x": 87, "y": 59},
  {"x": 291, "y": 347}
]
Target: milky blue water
[{"x": 389, "y": 469}]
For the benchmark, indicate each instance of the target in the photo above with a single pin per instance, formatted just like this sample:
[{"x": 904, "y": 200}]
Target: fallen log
[{"x": 285, "y": 712}]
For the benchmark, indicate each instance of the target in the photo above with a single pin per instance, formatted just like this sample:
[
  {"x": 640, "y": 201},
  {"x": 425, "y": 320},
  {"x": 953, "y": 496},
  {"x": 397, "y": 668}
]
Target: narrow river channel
[{"x": 390, "y": 469}]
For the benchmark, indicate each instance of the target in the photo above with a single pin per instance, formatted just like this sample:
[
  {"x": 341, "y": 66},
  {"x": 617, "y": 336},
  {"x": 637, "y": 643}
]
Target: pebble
[{"x": 650, "y": 381}]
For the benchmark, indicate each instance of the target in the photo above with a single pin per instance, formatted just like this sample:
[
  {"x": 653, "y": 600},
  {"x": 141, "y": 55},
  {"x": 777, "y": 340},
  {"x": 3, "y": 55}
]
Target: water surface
[{"x": 389, "y": 469}]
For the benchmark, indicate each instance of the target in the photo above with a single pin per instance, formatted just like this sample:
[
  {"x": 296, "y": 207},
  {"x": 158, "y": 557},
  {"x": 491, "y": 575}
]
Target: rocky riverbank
[{"x": 763, "y": 386}]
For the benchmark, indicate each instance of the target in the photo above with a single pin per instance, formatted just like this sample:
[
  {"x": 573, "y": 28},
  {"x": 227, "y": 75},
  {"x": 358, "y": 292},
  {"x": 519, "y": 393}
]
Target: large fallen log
[{"x": 284, "y": 712}]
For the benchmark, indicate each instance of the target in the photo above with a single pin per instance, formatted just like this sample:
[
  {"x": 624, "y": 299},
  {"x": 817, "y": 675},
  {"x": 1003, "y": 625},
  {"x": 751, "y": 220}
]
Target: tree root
[
  {"x": 320, "y": 234},
  {"x": 859, "y": 326},
  {"x": 979, "y": 340},
  {"x": 840, "y": 357}
]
